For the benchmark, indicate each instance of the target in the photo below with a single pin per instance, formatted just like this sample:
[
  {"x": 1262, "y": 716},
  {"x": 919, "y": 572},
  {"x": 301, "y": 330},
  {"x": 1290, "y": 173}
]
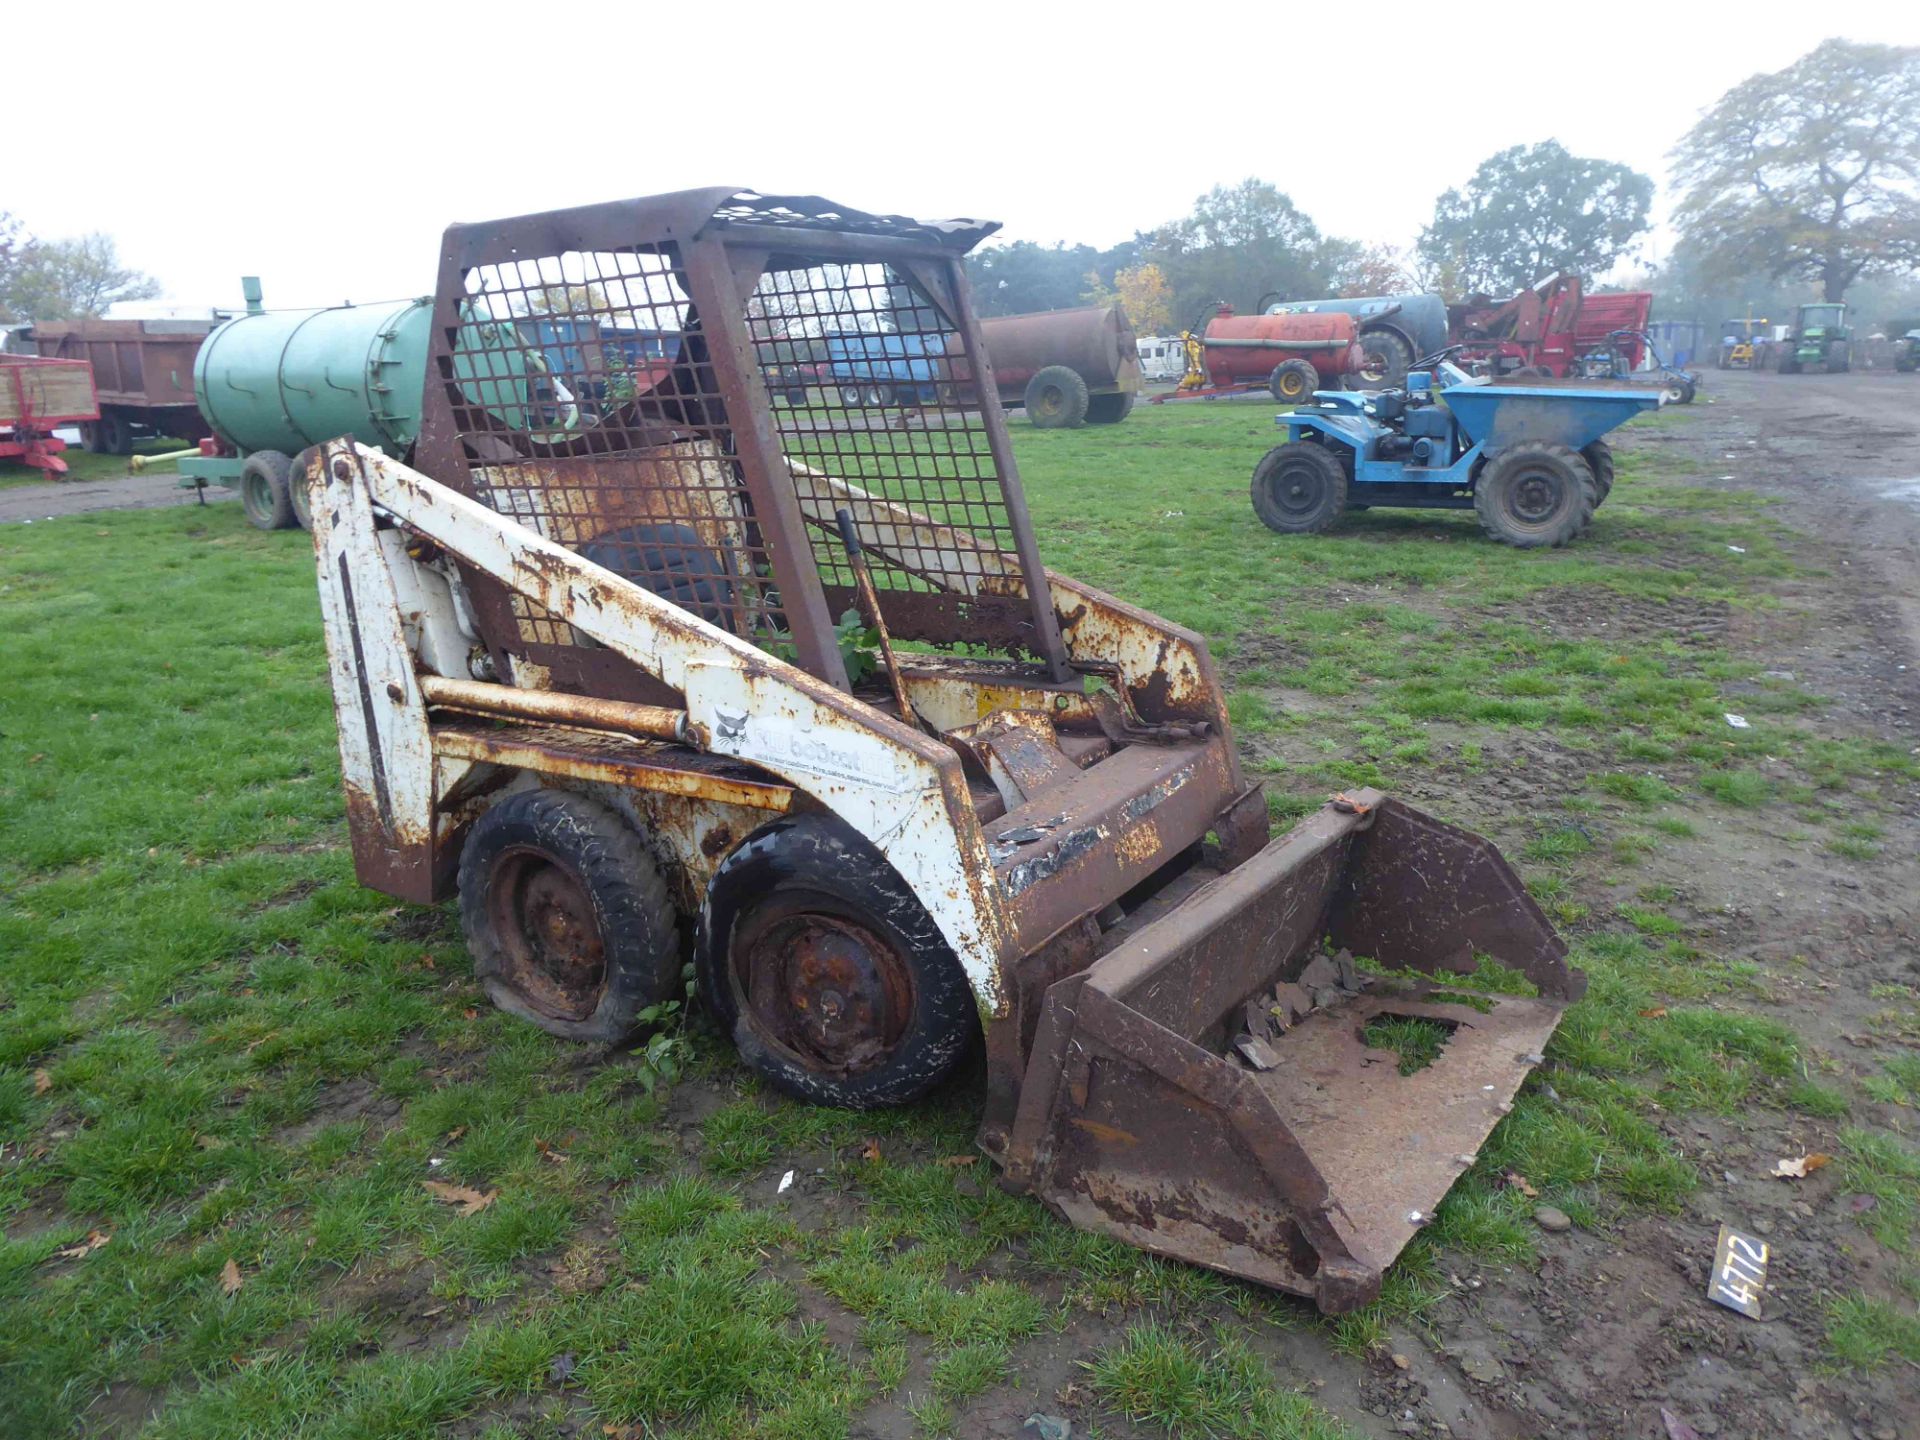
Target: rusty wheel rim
[
  {"x": 543, "y": 916},
  {"x": 820, "y": 985},
  {"x": 1534, "y": 499},
  {"x": 1053, "y": 402}
]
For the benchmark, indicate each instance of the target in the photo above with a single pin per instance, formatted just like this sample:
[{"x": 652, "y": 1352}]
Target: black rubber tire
[
  {"x": 1839, "y": 358},
  {"x": 1110, "y": 409},
  {"x": 114, "y": 433},
  {"x": 1687, "y": 392},
  {"x": 1293, "y": 382},
  {"x": 1599, "y": 458},
  {"x": 1528, "y": 372},
  {"x": 1056, "y": 399},
  {"x": 1392, "y": 353},
  {"x": 90, "y": 437},
  {"x": 298, "y": 495},
  {"x": 263, "y": 490},
  {"x": 1299, "y": 488},
  {"x": 817, "y": 864},
  {"x": 1904, "y": 365},
  {"x": 1789, "y": 364},
  {"x": 634, "y": 917},
  {"x": 852, "y": 396},
  {"x": 1514, "y": 477}
]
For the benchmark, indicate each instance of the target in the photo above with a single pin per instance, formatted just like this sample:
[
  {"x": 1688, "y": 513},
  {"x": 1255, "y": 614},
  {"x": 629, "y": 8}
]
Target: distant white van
[{"x": 1162, "y": 357}]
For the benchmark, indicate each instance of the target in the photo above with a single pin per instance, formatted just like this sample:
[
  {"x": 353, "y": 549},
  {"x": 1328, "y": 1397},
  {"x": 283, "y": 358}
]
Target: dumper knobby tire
[
  {"x": 263, "y": 490},
  {"x": 1299, "y": 488},
  {"x": 1110, "y": 409},
  {"x": 1056, "y": 399},
  {"x": 1293, "y": 381},
  {"x": 1389, "y": 357},
  {"x": 1599, "y": 458},
  {"x": 567, "y": 916},
  {"x": 806, "y": 924},
  {"x": 1535, "y": 495},
  {"x": 298, "y": 496}
]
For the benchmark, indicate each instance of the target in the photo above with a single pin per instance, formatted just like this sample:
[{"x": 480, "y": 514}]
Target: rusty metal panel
[{"x": 1142, "y": 1116}]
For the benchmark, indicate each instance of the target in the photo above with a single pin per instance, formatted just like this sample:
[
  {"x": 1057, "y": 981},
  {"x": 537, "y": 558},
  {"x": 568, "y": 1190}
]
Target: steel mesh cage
[{"x": 584, "y": 394}]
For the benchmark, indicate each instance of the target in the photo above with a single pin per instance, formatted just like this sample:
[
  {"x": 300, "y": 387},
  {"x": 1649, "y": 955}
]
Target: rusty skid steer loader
[{"x": 589, "y": 678}]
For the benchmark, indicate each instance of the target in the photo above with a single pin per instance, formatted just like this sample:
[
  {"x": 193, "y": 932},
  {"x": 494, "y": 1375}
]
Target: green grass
[
  {"x": 215, "y": 1045},
  {"x": 1212, "y": 1385},
  {"x": 82, "y": 465},
  {"x": 1864, "y": 1333}
]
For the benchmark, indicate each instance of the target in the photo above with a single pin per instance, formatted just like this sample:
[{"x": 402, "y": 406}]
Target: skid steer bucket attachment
[{"x": 1206, "y": 1089}]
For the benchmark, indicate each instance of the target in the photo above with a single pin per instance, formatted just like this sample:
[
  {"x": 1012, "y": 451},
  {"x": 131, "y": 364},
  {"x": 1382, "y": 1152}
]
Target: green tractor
[
  {"x": 1905, "y": 335},
  {"x": 1820, "y": 337}
]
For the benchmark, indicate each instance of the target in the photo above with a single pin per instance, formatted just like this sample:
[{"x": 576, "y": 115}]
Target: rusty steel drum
[
  {"x": 1242, "y": 349},
  {"x": 1096, "y": 342}
]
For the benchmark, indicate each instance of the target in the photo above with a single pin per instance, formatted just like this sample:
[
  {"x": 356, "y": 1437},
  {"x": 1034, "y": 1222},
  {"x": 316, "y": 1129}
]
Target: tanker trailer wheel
[
  {"x": 264, "y": 490},
  {"x": 1056, "y": 399},
  {"x": 832, "y": 979},
  {"x": 1110, "y": 409},
  {"x": 1293, "y": 381},
  {"x": 1388, "y": 359},
  {"x": 1299, "y": 488},
  {"x": 567, "y": 916},
  {"x": 1535, "y": 495},
  {"x": 298, "y": 496}
]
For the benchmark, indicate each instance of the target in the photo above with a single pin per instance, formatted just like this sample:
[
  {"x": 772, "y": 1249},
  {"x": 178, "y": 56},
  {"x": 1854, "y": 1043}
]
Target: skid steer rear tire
[
  {"x": 1535, "y": 495},
  {"x": 263, "y": 490},
  {"x": 1299, "y": 488},
  {"x": 567, "y": 916},
  {"x": 831, "y": 977},
  {"x": 1056, "y": 399}
]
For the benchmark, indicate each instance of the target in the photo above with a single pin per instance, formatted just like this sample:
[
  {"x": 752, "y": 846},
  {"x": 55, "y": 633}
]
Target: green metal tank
[{"x": 284, "y": 380}]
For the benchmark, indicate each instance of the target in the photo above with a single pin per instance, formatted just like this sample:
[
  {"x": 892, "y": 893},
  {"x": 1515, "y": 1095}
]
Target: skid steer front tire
[
  {"x": 1535, "y": 495},
  {"x": 567, "y": 916},
  {"x": 833, "y": 980}
]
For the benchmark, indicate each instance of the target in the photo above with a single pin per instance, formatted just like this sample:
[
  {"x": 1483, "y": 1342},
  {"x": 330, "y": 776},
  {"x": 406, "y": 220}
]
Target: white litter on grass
[
  {"x": 786, "y": 1183},
  {"x": 1726, "y": 477},
  {"x": 1738, "y": 549},
  {"x": 1739, "y": 722}
]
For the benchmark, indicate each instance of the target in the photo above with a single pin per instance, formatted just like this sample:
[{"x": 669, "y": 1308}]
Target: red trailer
[
  {"x": 1547, "y": 329},
  {"x": 35, "y": 396},
  {"x": 144, "y": 371}
]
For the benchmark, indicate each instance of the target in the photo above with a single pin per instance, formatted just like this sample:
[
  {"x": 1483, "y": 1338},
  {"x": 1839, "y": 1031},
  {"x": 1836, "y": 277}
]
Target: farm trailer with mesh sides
[{"x": 588, "y": 680}]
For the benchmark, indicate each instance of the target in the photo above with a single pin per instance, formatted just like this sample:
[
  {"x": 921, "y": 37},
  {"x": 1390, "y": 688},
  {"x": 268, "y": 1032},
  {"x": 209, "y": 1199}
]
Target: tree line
[
  {"x": 1795, "y": 182},
  {"x": 75, "y": 279}
]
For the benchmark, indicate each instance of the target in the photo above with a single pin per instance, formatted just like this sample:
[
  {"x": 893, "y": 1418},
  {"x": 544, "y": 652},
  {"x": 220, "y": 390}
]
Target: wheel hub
[
  {"x": 826, "y": 987},
  {"x": 1297, "y": 489},
  {"x": 556, "y": 956},
  {"x": 1534, "y": 498}
]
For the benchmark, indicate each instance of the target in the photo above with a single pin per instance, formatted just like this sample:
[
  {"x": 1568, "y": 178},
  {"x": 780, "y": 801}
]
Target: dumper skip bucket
[{"x": 1206, "y": 1089}]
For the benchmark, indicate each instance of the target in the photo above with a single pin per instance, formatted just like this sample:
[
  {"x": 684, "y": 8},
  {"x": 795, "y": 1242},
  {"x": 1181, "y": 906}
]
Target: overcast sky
[{"x": 324, "y": 146}]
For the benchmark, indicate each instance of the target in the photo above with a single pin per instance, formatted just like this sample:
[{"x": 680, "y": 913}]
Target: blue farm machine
[{"x": 1528, "y": 456}]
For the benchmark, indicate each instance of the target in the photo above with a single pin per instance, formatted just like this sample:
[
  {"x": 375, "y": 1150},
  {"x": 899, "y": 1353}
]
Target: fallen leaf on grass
[
  {"x": 545, "y": 1147},
  {"x": 95, "y": 1239},
  {"x": 954, "y": 1162},
  {"x": 455, "y": 1133},
  {"x": 1519, "y": 1182},
  {"x": 230, "y": 1281},
  {"x": 561, "y": 1369},
  {"x": 209, "y": 1142},
  {"x": 469, "y": 1013},
  {"x": 470, "y": 1201},
  {"x": 1658, "y": 1012},
  {"x": 1799, "y": 1169},
  {"x": 870, "y": 1152},
  {"x": 42, "y": 1082}
]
